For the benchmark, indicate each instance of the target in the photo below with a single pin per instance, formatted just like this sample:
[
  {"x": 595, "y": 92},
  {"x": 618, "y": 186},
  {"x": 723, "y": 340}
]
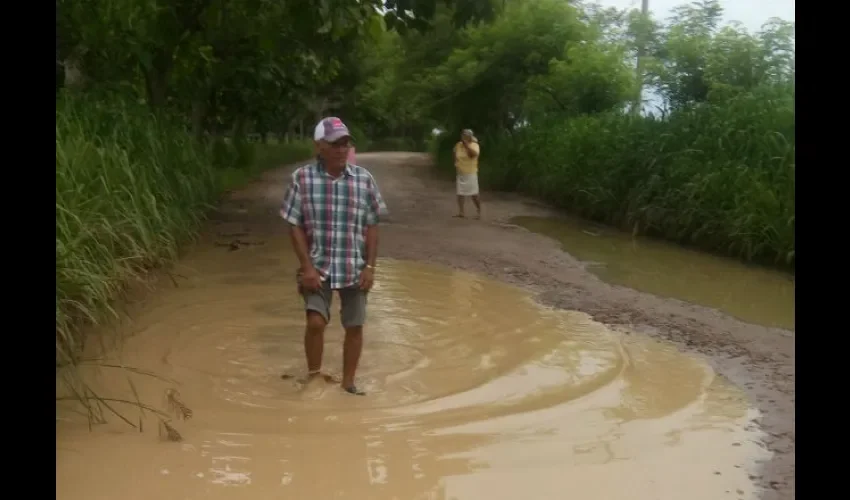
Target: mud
[{"x": 477, "y": 390}]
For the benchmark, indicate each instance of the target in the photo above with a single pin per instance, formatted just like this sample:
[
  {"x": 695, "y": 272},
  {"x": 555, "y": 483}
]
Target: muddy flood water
[
  {"x": 750, "y": 293},
  {"x": 474, "y": 392}
]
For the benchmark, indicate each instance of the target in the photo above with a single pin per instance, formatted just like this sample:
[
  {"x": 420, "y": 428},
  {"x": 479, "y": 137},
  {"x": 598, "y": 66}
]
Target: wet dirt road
[{"x": 477, "y": 388}]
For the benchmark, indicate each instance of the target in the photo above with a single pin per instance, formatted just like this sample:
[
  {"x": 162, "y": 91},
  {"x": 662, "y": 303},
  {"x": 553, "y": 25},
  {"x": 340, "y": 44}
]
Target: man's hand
[
  {"x": 310, "y": 279},
  {"x": 467, "y": 146},
  {"x": 367, "y": 278}
]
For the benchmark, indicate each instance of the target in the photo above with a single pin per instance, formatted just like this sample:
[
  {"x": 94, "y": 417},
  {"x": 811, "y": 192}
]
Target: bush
[
  {"x": 264, "y": 157},
  {"x": 718, "y": 177},
  {"x": 395, "y": 144}
]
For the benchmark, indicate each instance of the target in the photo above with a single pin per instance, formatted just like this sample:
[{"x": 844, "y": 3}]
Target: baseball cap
[{"x": 330, "y": 129}]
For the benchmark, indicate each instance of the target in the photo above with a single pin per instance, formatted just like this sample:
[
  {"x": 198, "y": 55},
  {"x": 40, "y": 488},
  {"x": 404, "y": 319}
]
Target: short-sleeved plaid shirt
[{"x": 334, "y": 213}]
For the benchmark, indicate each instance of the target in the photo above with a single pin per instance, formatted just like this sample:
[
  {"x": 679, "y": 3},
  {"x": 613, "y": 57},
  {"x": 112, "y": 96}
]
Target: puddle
[
  {"x": 753, "y": 294},
  {"x": 475, "y": 392}
]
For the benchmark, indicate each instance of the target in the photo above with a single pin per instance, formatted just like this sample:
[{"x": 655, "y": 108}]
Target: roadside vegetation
[
  {"x": 708, "y": 159},
  {"x": 162, "y": 108}
]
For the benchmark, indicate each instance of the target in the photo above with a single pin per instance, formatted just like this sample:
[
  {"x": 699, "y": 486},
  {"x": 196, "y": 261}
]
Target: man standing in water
[
  {"x": 332, "y": 207},
  {"x": 466, "y": 153}
]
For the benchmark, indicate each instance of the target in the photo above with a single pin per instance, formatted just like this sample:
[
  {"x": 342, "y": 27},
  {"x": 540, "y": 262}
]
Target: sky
[{"x": 751, "y": 13}]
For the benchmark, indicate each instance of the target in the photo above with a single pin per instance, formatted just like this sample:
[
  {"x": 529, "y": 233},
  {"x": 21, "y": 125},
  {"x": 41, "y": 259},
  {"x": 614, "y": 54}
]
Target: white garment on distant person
[{"x": 467, "y": 184}]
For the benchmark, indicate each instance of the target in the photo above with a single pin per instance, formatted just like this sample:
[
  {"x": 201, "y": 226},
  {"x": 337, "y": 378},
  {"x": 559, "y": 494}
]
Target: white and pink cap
[{"x": 330, "y": 129}]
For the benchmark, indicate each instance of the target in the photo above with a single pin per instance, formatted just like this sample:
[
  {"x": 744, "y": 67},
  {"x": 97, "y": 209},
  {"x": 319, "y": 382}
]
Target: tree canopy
[{"x": 401, "y": 68}]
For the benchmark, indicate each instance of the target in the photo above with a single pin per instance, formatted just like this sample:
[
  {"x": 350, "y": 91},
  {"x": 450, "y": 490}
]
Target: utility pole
[{"x": 641, "y": 52}]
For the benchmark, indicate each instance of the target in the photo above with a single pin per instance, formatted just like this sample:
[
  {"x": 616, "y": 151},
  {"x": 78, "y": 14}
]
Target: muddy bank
[{"x": 230, "y": 291}]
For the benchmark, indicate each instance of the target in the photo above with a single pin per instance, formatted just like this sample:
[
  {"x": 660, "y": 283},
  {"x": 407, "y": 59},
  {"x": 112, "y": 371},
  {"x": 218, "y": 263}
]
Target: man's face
[
  {"x": 465, "y": 137},
  {"x": 334, "y": 154}
]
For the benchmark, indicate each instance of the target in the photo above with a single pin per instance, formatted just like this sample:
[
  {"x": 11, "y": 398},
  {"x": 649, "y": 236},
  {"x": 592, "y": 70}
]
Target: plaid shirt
[{"x": 334, "y": 213}]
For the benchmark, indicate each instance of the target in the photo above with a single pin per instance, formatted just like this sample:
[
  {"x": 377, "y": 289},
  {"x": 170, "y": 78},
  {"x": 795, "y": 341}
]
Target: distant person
[
  {"x": 333, "y": 209},
  {"x": 466, "y": 154}
]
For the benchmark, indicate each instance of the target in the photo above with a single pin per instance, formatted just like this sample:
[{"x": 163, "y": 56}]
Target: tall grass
[
  {"x": 131, "y": 188},
  {"x": 717, "y": 177}
]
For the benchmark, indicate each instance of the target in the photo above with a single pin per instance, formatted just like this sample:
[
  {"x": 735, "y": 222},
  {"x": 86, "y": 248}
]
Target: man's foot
[
  {"x": 329, "y": 378},
  {"x": 478, "y": 216},
  {"x": 458, "y": 216},
  {"x": 351, "y": 389}
]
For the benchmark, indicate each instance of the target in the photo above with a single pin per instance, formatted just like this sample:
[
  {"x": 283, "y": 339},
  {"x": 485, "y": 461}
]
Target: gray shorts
[{"x": 352, "y": 310}]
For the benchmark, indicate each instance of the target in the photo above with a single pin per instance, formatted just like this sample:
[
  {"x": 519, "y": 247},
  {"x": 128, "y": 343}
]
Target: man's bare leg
[
  {"x": 477, "y": 201},
  {"x": 351, "y": 349},
  {"x": 460, "y": 200},
  {"x": 314, "y": 342}
]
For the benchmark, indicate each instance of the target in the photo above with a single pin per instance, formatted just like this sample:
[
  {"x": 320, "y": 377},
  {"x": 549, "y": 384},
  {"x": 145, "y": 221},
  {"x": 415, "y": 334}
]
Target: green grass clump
[
  {"x": 719, "y": 177},
  {"x": 131, "y": 188}
]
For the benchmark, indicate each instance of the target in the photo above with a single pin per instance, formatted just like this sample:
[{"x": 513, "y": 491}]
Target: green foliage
[
  {"x": 235, "y": 153},
  {"x": 266, "y": 156},
  {"x": 696, "y": 61},
  {"x": 535, "y": 59},
  {"x": 718, "y": 177},
  {"x": 397, "y": 144},
  {"x": 485, "y": 80},
  {"x": 272, "y": 155},
  {"x": 130, "y": 187},
  {"x": 257, "y": 64},
  {"x": 715, "y": 170}
]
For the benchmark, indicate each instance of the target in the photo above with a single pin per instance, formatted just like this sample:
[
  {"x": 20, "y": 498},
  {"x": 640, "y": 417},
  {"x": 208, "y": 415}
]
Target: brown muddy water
[
  {"x": 475, "y": 392},
  {"x": 749, "y": 293}
]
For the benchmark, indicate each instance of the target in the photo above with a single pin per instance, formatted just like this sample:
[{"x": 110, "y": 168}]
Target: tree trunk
[
  {"x": 157, "y": 78},
  {"x": 238, "y": 129},
  {"x": 199, "y": 115}
]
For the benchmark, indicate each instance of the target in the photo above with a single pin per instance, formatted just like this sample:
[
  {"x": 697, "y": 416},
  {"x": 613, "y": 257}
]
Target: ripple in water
[{"x": 474, "y": 392}]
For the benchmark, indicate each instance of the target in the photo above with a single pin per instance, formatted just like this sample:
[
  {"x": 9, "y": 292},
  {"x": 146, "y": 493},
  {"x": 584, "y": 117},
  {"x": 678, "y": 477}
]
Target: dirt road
[{"x": 758, "y": 360}]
